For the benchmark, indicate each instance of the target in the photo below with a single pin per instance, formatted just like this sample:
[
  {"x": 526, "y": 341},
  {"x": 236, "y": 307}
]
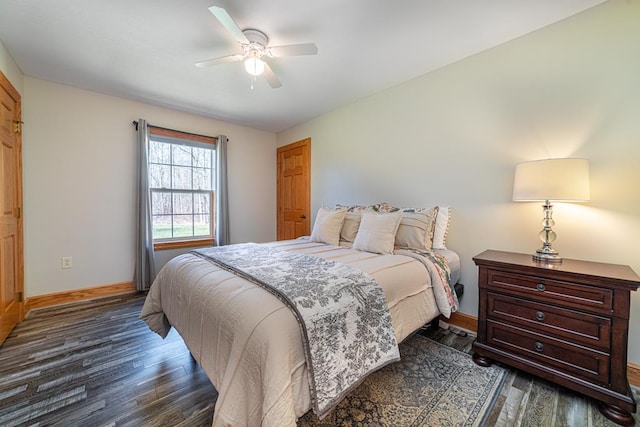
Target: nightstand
[{"x": 566, "y": 323}]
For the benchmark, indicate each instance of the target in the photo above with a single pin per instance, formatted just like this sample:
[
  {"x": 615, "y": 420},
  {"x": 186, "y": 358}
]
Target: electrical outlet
[{"x": 67, "y": 262}]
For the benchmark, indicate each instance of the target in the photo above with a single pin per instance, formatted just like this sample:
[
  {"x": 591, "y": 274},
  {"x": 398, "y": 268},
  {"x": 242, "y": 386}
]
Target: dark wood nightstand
[{"x": 566, "y": 323}]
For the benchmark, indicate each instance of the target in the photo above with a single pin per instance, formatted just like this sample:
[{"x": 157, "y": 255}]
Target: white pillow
[
  {"x": 416, "y": 230},
  {"x": 377, "y": 232},
  {"x": 350, "y": 227},
  {"x": 442, "y": 227},
  {"x": 326, "y": 228}
]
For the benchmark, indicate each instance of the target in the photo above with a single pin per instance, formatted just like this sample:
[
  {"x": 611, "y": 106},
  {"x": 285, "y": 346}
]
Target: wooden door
[
  {"x": 294, "y": 190},
  {"x": 11, "y": 257}
]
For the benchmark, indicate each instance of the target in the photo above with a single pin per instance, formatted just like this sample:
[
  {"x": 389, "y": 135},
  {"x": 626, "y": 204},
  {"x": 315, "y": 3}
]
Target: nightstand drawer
[
  {"x": 553, "y": 291},
  {"x": 560, "y": 355},
  {"x": 562, "y": 323}
]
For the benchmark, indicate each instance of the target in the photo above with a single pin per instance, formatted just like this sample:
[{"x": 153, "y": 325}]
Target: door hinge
[
  {"x": 18, "y": 212},
  {"x": 17, "y": 126},
  {"x": 19, "y": 296}
]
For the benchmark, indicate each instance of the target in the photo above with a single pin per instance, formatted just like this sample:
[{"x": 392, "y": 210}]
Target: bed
[{"x": 250, "y": 344}]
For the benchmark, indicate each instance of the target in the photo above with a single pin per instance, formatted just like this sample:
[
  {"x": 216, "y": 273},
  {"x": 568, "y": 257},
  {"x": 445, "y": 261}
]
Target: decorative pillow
[
  {"x": 377, "y": 232},
  {"x": 353, "y": 208},
  {"x": 431, "y": 211},
  {"x": 326, "y": 228},
  {"x": 416, "y": 230},
  {"x": 440, "y": 216},
  {"x": 383, "y": 207},
  {"x": 441, "y": 227},
  {"x": 378, "y": 207},
  {"x": 350, "y": 227}
]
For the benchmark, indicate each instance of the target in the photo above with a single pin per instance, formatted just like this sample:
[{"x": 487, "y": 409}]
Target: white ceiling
[{"x": 145, "y": 50}]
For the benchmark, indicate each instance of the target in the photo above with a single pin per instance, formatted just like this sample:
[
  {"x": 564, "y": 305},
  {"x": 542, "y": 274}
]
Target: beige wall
[
  {"x": 79, "y": 180},
  {"x": 455, "y": 135}
]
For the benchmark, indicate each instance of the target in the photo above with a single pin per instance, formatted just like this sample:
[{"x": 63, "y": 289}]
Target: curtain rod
[{"x": 135, "y": 123}]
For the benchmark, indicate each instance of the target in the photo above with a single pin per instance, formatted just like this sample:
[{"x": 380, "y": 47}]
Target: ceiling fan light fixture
[
  {"x": 255, "y": 45},
  {"x": 254, "y": 65}
]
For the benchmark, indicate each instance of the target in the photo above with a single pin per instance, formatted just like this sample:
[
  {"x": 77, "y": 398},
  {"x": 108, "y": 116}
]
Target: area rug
[{"x": 432, "y": 385}]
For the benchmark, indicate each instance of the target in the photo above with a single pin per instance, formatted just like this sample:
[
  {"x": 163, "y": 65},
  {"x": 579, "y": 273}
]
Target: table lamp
[{"x": 560, "y": 180}]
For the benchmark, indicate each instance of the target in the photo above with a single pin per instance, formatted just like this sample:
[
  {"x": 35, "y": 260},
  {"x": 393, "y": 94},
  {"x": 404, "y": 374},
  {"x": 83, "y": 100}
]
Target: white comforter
[{"x": 249, "y": 343}]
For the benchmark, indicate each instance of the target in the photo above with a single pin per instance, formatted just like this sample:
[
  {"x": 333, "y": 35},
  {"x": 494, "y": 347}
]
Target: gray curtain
[
  {"x": 222, "y": 193},
  {"x": 145, "y": 270}
]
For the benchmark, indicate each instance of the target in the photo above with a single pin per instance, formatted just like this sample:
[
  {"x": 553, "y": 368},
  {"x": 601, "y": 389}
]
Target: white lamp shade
[
  {"x": 562, "y": 180},
  {"x": 254, "y": 66}
]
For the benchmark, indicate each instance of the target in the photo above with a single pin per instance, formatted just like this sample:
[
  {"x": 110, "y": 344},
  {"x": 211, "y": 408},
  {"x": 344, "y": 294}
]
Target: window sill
[{"x": 183, "y": 244}]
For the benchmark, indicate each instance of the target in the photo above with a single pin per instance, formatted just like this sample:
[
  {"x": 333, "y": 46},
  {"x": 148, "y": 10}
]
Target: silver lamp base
[{"x": 547, "y": 256}]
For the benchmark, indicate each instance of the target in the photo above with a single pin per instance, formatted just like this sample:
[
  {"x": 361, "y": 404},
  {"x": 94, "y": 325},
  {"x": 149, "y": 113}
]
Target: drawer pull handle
[
  {"x": 540, "y": 287},
  {"x": 539, "y": 347},
  {"x": 540, "y": 315}
]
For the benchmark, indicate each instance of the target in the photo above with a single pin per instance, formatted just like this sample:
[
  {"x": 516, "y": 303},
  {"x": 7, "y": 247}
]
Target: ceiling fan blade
[
  {"x": 221, "y": 60},
  {"x": 268, "y": 74},
  {"x": 229, "y": 23},
  {"x": 294, "y": 49}
]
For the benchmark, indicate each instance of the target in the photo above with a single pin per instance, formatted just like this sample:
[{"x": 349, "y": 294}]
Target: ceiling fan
[{"x": 255, "y": 49}]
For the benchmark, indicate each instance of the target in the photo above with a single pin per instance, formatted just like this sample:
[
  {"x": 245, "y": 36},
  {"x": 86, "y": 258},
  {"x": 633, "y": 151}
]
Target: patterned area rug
[{"x": 432, "y": 385}]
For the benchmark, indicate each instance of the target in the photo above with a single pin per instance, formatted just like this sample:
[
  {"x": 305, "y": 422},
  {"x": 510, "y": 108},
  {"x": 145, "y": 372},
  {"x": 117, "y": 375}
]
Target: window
[{"x": 181, "y": 181}]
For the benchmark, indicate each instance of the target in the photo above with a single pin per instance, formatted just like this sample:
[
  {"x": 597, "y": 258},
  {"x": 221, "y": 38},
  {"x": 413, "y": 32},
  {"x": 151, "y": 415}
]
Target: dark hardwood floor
[
  {"x": 527, "y": 401},
  {"x": 96, "y": 364}
]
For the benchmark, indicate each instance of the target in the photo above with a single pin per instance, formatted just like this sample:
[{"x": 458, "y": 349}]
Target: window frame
[{"x": 193, "y": 140}]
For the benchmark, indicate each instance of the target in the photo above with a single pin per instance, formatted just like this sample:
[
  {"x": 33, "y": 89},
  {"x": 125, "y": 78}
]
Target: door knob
[{"x": 303, "y": 216}]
